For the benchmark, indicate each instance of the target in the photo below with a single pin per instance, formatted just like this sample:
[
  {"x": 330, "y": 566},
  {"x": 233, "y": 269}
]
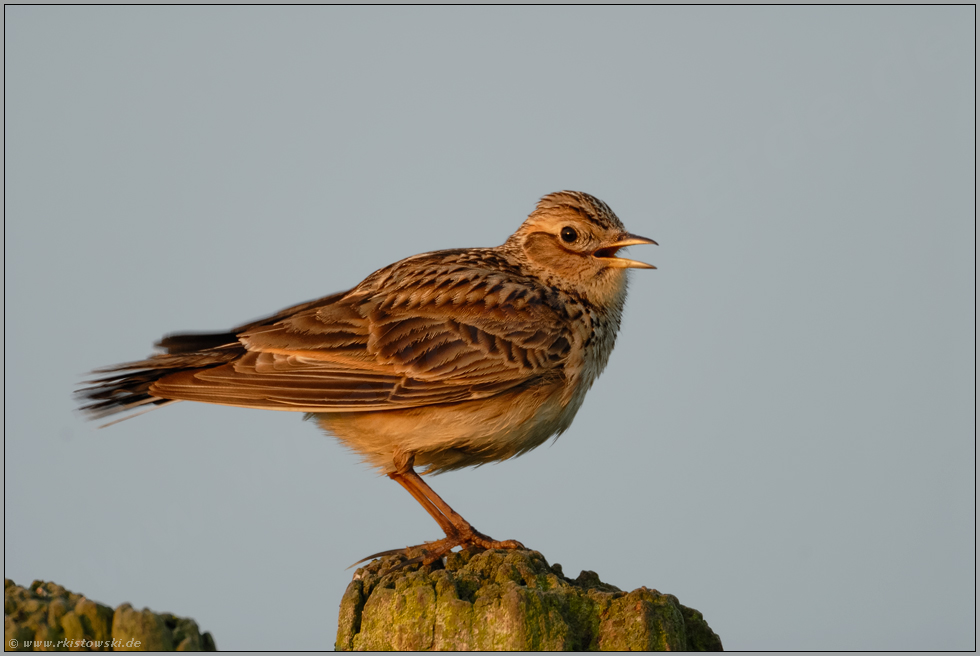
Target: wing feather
[{"x": 449, "y": 333}]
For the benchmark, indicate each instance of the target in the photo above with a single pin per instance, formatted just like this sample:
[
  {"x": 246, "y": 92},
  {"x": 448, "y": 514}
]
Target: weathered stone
[
  {"x": 47, "y": 617},
  {"x": 140, "y": 630},
  {"x": 508, "y": 600}
]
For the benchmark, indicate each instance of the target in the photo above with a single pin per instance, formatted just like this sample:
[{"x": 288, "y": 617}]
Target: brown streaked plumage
[{"x": 442, "y": 360}]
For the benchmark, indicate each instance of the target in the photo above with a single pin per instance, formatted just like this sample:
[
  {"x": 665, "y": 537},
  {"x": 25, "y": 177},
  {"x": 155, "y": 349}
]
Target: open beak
[{"x": 608, "y": 252}]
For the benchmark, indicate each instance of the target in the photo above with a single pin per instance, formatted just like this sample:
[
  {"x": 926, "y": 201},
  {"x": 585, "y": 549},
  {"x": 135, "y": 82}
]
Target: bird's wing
[
  {"x": 445, "y": 337},
  {"x": 191, "y": 342}
]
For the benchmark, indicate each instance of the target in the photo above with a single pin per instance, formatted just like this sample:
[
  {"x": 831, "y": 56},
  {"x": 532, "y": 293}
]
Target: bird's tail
[{"x": 126, "y": 387}]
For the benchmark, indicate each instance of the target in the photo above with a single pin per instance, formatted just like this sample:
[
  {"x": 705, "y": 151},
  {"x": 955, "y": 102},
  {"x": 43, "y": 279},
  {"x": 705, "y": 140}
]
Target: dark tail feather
[
  {"x": 114, "y": 394},
  {"x": 130, "y": 389},
  {"x": 190, "y": 342},
  {"x": 127, "y": 387}
]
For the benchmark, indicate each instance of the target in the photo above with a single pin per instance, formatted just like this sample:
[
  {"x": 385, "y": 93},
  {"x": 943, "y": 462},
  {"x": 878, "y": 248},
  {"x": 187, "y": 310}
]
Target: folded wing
[{"x": 450, "y": 333}]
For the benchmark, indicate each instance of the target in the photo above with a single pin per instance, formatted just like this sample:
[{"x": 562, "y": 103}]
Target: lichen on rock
[
  {"x": 46, "y": 617},
  {"x": 508, "y": 600}
]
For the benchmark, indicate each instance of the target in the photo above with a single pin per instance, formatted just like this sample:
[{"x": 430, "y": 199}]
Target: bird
[{"x": 443, "y": 360}]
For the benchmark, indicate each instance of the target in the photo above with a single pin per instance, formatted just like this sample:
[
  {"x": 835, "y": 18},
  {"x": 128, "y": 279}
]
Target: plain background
[{"x": 784, "y": 437}]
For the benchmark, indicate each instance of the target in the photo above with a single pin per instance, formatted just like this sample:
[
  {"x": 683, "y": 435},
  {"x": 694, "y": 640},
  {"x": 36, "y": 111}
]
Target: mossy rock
[
  {"x": 508, "y": 600},
  {"x": 46, "y": 617}
]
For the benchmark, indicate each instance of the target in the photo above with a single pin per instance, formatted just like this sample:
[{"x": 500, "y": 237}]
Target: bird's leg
[
  {"x": 424, "y": 501},
  {"x": 459, "y": 532},
  {"x": 463, "y": 528}
]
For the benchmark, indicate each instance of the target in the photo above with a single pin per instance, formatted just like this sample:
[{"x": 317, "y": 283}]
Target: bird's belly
[{"x": 447, "y": 437}]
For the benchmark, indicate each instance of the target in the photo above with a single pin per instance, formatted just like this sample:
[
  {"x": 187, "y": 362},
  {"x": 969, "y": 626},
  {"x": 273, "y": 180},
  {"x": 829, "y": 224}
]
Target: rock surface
[
  {"x": 508, "y": 600},
  {"x": 46, "y": 617}
]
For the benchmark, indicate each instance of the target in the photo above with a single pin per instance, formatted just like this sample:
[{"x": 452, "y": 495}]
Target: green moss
[
  {"x": 50, "y": 637},
  {"x": 700, "y": 637},
  {"x": 62, "y": 620},
  {"x": 508, "y": 600},
  {"x": 140, "y": 630},
  {"x": 349, "y": 624},
  {"x": 186, "y": 635},
  {"x": 48, "y": 614},
  {"x": 400, "y": 619},
  {"x": 96, "y": 620}
]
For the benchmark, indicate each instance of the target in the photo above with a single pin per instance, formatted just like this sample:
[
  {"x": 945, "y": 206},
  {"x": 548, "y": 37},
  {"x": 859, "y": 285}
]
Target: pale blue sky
[{"x": 784, "y": 437}]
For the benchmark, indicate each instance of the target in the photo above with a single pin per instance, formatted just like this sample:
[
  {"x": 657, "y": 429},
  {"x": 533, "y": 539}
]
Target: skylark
[{"x": 442, "y": 360}]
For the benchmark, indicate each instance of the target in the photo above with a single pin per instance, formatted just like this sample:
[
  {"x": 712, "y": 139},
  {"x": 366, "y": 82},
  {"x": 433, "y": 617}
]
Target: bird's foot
[
  {"x": 429, "y": 552},
  {"x": 472, "y": 537}
]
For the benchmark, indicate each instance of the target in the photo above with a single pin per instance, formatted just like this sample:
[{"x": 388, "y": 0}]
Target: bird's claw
[{"x": 429, "y": 552}]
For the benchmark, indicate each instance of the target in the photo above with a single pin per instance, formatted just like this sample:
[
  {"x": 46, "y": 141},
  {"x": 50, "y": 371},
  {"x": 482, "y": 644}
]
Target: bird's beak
[{"x": 608, "y": 252}]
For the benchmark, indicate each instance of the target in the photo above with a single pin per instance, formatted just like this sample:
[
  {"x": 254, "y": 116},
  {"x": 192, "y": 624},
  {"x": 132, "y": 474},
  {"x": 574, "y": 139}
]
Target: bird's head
[{"x": 571, "y": 240}]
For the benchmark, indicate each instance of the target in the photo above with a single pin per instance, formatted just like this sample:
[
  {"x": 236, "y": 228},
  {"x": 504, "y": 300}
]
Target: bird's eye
[{"x": 568, "y": 234}]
